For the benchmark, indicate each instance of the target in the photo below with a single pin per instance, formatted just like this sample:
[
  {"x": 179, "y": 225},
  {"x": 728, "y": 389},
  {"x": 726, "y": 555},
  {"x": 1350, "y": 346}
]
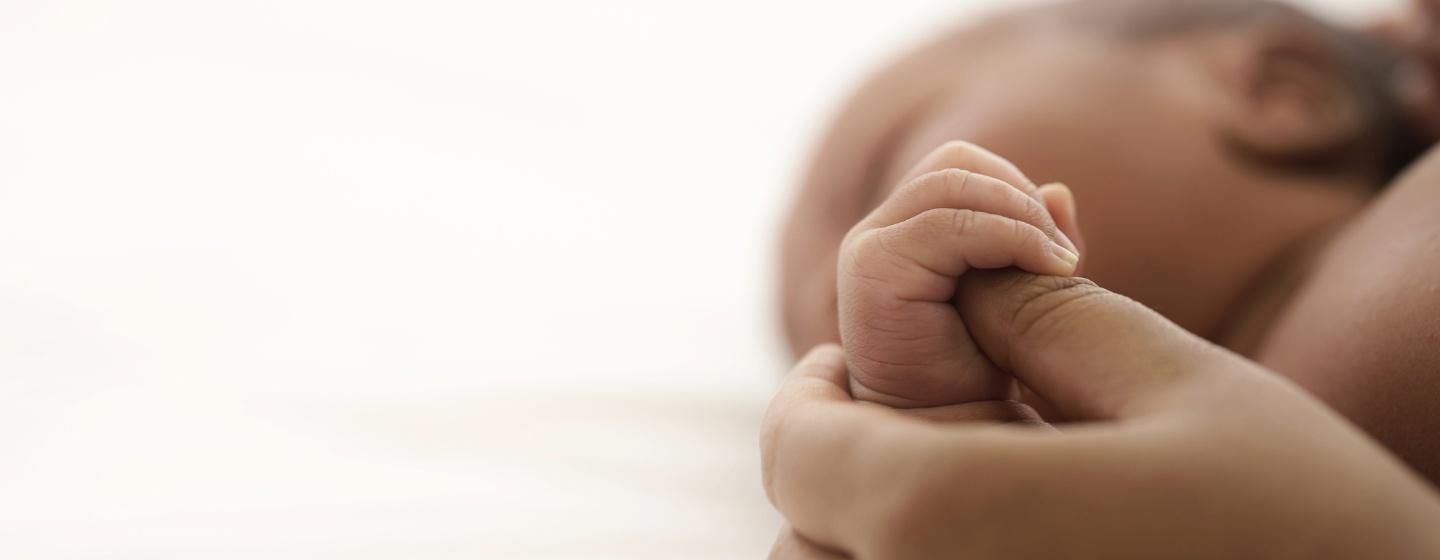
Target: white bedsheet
[{"x": 439, "y": 279}]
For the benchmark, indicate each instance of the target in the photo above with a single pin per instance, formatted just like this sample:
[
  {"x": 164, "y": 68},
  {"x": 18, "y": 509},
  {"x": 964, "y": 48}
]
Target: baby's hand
[{"x": 961, "y": 208}]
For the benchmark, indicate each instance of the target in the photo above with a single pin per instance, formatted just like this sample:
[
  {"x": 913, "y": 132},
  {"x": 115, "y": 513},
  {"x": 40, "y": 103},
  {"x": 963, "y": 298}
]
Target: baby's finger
[
  {"x": 962, "y": 155},
  {"x": 921, "y": 257},
  {"x": 1059, "y": 201},
  {"x": 959, "y": 189},
  {"x": 967, "y": 156}
]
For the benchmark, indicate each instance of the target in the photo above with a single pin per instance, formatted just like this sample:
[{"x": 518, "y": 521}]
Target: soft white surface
[{"x": 323, "y": 278}]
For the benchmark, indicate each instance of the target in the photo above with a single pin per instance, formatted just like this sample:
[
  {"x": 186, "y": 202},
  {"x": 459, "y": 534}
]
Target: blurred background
[{"x": 437, "y": 279}]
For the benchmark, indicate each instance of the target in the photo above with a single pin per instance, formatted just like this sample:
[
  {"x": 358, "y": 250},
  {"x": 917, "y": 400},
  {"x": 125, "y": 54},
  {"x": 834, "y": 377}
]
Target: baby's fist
[{"x": 961, "y": 208}]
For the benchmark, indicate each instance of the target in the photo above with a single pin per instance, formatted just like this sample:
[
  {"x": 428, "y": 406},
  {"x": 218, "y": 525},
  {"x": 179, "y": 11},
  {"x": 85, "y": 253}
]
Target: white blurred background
[{"x": 436, "y": 279}]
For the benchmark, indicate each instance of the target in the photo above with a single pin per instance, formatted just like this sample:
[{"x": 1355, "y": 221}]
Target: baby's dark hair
[{"x": 1369, "y": 66}]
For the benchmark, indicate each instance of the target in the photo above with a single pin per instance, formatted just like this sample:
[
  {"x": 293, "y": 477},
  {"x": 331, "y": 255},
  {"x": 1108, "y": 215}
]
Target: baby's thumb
[{"x": 1092, "y": 353}]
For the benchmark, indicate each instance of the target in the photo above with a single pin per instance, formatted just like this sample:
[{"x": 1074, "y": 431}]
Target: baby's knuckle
[
  {"x": 1025, "y": 235},
  {"x": 932, "y": 222},
  {"x": 849, "y": 239},
  {"x": 875, "y": 245},
  {"x": 858, "y": 243},
  {"x": 914, "y": 187},
  {"x": 963, "y": 222},
  {"x": 871, "y": 258},
  {"x": 940, "y": 181}
]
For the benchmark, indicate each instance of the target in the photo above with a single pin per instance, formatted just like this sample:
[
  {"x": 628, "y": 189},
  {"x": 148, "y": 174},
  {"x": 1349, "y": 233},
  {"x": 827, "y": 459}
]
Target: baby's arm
[{"x": 961, "y": 208}]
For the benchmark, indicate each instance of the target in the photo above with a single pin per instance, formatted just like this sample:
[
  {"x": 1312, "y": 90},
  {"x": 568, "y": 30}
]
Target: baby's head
[{"x": 1203, "y": 139}]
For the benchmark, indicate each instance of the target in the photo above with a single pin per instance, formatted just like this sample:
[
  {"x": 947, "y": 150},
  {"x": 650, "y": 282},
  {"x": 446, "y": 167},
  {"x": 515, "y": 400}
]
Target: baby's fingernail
[
  {"x": 1066, "y": 260},
  {"x": 1059, "y": 198}
]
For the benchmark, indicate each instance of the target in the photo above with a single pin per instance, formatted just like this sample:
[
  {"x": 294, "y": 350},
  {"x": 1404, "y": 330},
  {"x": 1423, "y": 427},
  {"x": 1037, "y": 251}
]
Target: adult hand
[{"x": 1184, "y": 451}]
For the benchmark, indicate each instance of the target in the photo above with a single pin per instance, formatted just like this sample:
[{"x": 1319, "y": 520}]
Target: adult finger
[
  {"x": 820, "y": 450},
  {"x": 1092, "y": 353}
]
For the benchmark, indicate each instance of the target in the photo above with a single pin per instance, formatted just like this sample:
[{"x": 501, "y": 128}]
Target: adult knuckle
[{"x": 1042, "y": 307}]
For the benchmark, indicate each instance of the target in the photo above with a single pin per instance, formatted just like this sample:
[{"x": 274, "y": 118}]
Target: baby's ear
[
  {"x": 1060, "y": 202},
  {"x": 1288, "y": 96},
  {"x": 1417, "y": 81}
]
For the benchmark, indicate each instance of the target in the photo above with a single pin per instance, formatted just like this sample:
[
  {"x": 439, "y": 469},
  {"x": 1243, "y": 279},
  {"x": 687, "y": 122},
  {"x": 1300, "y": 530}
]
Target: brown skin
[
  {"x": 1025, "y": 88},
  {"x": 1362, "y": 333},
  {"x": 1173, "y": 218},
  {"x": 1189, "y": 451}
]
